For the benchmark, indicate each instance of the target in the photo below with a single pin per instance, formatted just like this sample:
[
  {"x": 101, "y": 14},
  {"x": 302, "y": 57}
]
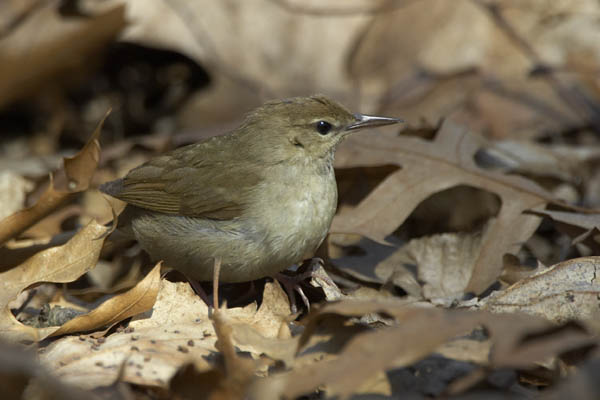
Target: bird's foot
[{"x": 293, "y": 284}]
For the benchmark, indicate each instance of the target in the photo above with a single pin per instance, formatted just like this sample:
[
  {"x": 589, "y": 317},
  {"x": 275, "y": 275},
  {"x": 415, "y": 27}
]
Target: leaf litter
[
  {"x": 435, "y": 280},
  {"x": 451, "y": 155}
]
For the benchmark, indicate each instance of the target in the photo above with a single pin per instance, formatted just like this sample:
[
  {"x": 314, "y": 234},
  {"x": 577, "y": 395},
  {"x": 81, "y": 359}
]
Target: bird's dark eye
[{"x": 323, "y": 127}]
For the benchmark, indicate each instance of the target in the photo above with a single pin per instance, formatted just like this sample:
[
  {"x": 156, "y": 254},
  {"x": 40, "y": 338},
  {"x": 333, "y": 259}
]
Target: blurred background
[{"x": 522, "y": 69}]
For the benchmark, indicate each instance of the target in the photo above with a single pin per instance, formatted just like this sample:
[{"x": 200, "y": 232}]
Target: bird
[{"x": 257, "y": 199}]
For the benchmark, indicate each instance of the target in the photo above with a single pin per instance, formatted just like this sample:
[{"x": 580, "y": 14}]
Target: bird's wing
[{"x": 186, "y": 183}]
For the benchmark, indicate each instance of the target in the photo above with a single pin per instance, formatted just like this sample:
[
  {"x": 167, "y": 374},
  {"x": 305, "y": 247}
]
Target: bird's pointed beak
[{"x": 367, "y": 121}]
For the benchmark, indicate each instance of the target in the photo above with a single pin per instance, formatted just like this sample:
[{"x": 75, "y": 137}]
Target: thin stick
[{"x": 216, "y": 271}]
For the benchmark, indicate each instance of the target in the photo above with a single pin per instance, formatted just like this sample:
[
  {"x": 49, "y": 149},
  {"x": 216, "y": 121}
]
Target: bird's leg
[
  {"x": 216, "y": 272},
  {"x": 199, "y": 290}
]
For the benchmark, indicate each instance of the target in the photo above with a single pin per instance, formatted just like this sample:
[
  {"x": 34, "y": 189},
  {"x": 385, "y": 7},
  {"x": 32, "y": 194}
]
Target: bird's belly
[{"x": 287, "y": 226}]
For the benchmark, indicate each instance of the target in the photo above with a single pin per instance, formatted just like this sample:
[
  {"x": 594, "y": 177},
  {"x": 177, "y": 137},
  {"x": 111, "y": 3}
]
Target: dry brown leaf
[
  {"x": 565, "y": 291},
  {"x": 360, "y": 264},
  {"x": 176, "y": 332},
  {"x": 266, "y": 331},
  {"x": 376, "y": 262},
  {"x": 582, "y": 227},
  {"x": 421, "y": 330},
  {"x": 436, "y": 268},
  {"x": 137, "y": 300},
  {"x": 320, "y": 279},
  {"x": 416, "y": 334},
  {"x": 272, "y": 317},
  {"x": 73, "y": 178},
  {"x": 35, "y": 58},
  {"x": 562, "y": 162},
  {"x": 583, "y": 220},
  {"x": 430, "y": 167},
  {"x": 248, "y": 339},
  {"x": 16, "y": 252},
  {"x": 381, "y": 349},
  {"x": 444, "y": 263},
  {"x": 58, "y": 264}
]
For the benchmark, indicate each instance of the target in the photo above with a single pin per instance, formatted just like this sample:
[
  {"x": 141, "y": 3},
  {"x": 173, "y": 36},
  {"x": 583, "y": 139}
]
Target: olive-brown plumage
[{"x": 260, "y": 198}]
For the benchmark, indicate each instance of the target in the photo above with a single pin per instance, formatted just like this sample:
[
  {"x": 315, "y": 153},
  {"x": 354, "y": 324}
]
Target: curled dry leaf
[
  {"x": 445, "y": 264},
  {"x": 64, "y": 263},
  {"x": 430, "y": 167},
  {"x": 74, "y": 177},
  {"x": 137, "y": 300},
  {"x": 320, "y": 278},
  {"x": 566, "y": 291}
]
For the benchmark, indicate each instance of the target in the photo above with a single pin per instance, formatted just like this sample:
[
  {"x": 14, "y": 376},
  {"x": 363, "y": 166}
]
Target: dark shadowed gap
[{"x": 458, "y": 209}]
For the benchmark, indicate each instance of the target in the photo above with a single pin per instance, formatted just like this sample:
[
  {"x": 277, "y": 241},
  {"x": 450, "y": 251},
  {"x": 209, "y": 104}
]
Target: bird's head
[{"x": 305, "y": 127}]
